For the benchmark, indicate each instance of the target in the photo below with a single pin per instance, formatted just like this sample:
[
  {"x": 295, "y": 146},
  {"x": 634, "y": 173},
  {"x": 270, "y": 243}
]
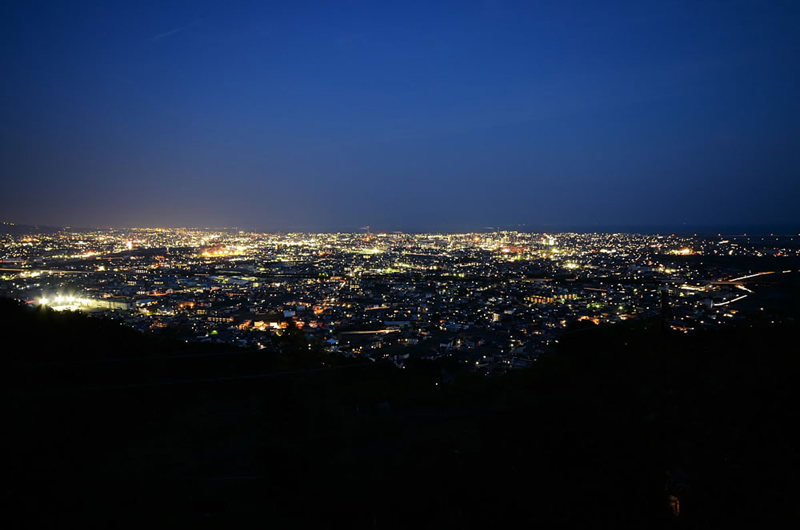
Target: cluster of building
[{"x": 493, "y": 301}]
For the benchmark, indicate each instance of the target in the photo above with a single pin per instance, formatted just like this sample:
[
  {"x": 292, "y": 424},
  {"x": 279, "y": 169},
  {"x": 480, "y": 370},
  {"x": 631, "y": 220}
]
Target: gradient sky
[{"x": 328, "y": 116}]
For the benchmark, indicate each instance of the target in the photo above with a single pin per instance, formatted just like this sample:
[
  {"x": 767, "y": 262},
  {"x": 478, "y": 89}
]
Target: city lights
[{"x": 377, "y": 295}]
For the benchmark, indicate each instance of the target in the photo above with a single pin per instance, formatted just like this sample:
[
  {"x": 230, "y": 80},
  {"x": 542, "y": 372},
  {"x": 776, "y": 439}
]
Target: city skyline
[{"x": 379, "y": 294}]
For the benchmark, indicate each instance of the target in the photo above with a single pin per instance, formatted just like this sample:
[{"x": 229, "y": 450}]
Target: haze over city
[{"x": 411, "y": 116}]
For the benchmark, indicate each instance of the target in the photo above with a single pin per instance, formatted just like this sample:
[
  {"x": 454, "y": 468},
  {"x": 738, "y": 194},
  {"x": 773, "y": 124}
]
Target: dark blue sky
[{"x": 403, "y": 116}]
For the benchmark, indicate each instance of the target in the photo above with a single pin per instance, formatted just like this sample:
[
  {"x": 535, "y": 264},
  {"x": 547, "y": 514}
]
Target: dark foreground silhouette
[{"x": 624, "y": 427}]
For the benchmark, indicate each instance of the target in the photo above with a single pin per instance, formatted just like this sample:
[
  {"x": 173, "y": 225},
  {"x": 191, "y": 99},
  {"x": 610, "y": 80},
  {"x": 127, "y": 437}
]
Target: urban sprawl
[{"x": 494, "y": 301}]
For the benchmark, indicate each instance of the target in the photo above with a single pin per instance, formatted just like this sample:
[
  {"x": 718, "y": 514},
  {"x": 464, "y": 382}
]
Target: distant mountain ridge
[
  {"x": 553, "y": 228},
  {"x": 14, "y": 228}
]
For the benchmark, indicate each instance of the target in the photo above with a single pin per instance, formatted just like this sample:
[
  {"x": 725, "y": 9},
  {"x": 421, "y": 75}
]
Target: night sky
[{"x": 413, "y": 116}]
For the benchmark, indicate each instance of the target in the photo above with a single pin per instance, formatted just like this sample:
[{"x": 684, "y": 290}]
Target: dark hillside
[{"x": 602, "y": 433}]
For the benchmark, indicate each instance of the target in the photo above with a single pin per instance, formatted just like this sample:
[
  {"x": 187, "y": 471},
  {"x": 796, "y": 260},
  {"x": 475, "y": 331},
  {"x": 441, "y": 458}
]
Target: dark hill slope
[{"x": 598, "y": 434}]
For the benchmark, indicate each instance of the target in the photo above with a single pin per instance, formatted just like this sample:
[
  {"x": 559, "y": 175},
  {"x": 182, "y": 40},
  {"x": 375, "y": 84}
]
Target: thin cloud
[{"x": 167, "y": 34}]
